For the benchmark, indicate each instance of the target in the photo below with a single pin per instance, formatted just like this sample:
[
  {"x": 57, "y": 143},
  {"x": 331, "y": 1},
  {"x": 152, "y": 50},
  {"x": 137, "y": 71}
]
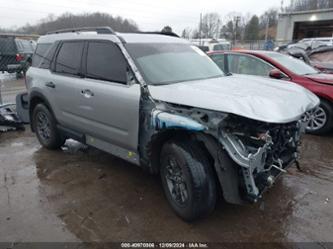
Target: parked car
[
  {"x": 286, "y": 68},
  {"x": 317, "y": 42},
  {"x": 209, "y": 45},
  {"x": 15, "y": 53},
  {"x": 161, "y": 103},
  {"x": 320, "y": 58}
]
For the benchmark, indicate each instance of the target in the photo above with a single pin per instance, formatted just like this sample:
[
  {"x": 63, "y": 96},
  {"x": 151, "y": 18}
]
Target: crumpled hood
[
  {"x": 258, "y": 98},
  {"x": 321, "y": 78}
]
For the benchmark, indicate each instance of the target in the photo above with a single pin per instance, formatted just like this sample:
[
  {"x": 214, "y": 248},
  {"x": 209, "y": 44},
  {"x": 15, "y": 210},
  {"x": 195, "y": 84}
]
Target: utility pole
[
  {"x": 237, "y": 20},
  {"x": 200, "y": 29},
  {"x": 267, "y": 27}
]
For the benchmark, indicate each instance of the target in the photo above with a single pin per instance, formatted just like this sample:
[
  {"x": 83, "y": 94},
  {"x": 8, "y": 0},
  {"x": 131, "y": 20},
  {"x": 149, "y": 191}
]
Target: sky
[{"x": 148, "y": 14}]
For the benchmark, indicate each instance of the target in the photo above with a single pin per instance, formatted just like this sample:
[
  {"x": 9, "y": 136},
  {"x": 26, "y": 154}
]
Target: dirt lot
[{"x": 82, "y": 194}]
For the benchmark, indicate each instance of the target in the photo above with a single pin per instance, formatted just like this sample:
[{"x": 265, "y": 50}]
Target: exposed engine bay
[{"x": 261, "y": 151}]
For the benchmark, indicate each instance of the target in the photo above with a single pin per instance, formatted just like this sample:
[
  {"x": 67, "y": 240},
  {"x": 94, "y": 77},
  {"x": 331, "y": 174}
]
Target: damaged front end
[
  {"x": 262, "y": 150},
  {"x": 259, "y": 151}
]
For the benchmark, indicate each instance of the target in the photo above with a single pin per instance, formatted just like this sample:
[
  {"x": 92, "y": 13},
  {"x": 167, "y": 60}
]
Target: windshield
[
  {"x": 166, "y": 63},
  {"x": 295, "y": 65}
]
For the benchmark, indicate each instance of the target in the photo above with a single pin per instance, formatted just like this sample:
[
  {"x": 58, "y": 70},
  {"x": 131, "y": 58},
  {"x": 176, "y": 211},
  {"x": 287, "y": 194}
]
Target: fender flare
[{"x": 226, "y": 169}]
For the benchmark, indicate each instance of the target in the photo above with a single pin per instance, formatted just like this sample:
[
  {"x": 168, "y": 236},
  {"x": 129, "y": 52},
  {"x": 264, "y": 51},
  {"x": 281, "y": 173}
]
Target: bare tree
[
  {"x": 211, "y": 24},
  {"x": 270, "y": 16},
  {"x": 234, "y": 26}
]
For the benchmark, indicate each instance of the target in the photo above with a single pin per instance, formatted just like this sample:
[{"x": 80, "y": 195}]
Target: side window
[
  {"x": 40, "y": 53},
  {"x": 219, "y": 60},
  {"x": 106, "y": 62},
  {"x": 243, "y": 64},
  {"x": 69, "y": 58},
  {"x": 47, "y": 59},
  {"x": 233, "y": 63}
]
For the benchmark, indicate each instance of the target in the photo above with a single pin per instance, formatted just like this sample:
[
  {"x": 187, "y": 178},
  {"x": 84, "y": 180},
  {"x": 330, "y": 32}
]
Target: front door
[{"x": 109, "y": 101}]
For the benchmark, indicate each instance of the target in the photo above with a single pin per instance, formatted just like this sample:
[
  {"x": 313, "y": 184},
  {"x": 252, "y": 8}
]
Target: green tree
[{"x": 252, "y": 29}]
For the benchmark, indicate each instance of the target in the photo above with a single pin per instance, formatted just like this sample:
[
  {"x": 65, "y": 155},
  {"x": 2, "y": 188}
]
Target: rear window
[
  {"x": 7, "y": 45},
  {"x": 218, "y": 47},
  {"x": 25, "y": 46}
]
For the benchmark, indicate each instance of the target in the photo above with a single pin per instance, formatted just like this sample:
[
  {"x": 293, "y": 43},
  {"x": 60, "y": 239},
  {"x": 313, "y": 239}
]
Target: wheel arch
[
  {"x": 225, "y": 170},
  {"x": 35, "y": 99}
]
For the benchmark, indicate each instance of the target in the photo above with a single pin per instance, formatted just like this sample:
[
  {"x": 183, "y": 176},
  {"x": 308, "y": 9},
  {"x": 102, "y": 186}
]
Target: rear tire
[
  {"x": 44, "y": 124},
  {"x": 188, "y": 180},
  {"x": 326, "y": 111}
]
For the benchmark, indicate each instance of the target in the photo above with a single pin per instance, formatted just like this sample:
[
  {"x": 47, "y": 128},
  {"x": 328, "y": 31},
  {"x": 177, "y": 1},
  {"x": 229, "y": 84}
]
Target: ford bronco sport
[{"x": 163, "y": 104}]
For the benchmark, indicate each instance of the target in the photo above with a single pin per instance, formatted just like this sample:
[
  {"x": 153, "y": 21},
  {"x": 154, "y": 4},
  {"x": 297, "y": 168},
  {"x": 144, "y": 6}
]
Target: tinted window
[
  {"x": 40, "y": 53},
  {"x": 69, "y": 58},
  {"x": 243, "y": 64},
  {"x": 106, "y": 62},
  {"x": 7, "y": 46},
  {"x": 47, "y": 59}
]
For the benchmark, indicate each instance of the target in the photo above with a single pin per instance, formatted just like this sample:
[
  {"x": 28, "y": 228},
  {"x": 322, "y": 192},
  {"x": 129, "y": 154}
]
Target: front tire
[
  {"x": 44, "y": 124},
  {"x": 321, "y": 119},
  {"x": 188, "y": 180}
]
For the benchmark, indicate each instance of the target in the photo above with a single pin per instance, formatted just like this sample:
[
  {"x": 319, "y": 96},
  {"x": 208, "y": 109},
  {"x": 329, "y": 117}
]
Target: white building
[{"x": 305, "y": 24}]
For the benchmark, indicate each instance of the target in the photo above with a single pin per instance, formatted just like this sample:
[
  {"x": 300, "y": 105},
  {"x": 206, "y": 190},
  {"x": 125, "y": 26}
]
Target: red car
[{"x": 284, "y": 67}]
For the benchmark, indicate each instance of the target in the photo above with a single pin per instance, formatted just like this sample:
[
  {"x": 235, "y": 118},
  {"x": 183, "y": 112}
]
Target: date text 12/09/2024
[{"x": 164, "y": 245}]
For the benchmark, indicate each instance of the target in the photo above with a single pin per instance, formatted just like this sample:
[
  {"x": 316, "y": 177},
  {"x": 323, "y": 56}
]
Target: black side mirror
[{"x": 276, "y": 74}]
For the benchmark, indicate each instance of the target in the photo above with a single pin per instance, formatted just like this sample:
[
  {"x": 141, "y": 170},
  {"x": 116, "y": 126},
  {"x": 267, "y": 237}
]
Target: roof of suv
[{"x": 117, "y": 37}]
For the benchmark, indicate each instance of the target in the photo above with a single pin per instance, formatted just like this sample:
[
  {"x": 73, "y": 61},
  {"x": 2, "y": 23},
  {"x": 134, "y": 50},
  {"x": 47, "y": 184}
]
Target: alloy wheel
[
  {"x": 317, "y": 119},
  {"x": 176, "y": 182},
  {"x": 43, "y": 126}
]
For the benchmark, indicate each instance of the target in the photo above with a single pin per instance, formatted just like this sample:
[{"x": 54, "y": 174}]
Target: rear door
[
  {"x": 109, "y": 96},
  {"x": 64, "y": 83}
]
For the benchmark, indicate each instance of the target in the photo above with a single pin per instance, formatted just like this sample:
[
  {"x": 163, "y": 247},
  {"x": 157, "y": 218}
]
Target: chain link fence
[
  {"x": 15, "y": 56},
  {"x": 15, "y": 53},
  {"x": 268, "y": 45}
]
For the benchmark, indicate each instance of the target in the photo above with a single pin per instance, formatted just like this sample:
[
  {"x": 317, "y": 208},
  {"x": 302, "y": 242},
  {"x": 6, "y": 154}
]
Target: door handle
[
  {"x": 87, "y": 93},
  {"x": 50, "y": 84}
]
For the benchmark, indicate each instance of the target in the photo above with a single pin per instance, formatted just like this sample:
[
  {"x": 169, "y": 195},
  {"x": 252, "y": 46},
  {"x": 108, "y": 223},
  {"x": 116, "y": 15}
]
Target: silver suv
[{"x": 161, "y": 103}]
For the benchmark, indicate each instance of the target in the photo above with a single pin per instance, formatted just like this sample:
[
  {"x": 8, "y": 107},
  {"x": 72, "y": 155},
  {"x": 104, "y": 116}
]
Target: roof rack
[
  {"x": 156, "y": 33},
  {"x": 99, "y": 30}
]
